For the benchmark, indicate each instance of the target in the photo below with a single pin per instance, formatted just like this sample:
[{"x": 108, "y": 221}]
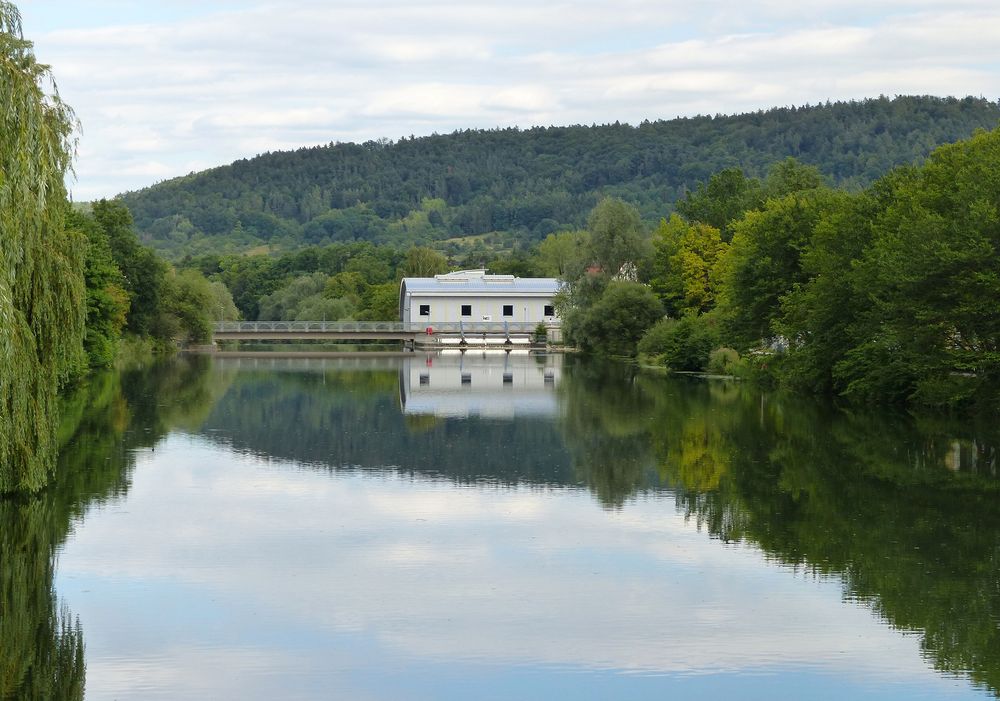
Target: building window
[
  {"x": 508, "y": 310},
  {"x": 466, "y": 310},
  {"x": 425, "y": 310},
  {"x": 549, "y": 310}
]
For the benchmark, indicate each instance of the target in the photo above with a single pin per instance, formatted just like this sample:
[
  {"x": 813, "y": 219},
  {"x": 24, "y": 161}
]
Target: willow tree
[{"x": 41, "y": 263}]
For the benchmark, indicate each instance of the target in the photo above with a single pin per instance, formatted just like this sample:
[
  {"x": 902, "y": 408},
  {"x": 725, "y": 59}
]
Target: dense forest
[{"x": 503, "y": 188}]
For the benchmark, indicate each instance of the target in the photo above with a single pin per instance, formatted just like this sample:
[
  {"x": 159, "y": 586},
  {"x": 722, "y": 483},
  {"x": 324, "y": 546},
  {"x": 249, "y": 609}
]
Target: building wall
[{"x": 449, "y": 309}]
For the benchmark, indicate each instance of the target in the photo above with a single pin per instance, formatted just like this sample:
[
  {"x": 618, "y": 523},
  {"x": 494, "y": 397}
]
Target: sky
[{"x": 162, "y": 89}]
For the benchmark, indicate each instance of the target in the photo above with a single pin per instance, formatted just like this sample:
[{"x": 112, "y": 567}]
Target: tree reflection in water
[
  {"x": 902, "y": 509},
  {"x": 103, "y": 422}
]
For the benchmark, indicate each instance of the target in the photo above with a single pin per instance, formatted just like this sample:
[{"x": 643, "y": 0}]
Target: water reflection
[
  {"x": 493, "y": 384},
  {"x": 344, "y": 413},
  {"x": 103, "y": 422},
  {"x": 898, "y": 513},
  {"x": 41, "y": 647},
  {"x": 902, "y": 510}
]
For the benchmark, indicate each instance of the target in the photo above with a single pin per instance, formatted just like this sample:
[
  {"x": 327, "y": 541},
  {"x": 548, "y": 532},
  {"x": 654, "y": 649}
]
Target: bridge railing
[{"x": 458, "y": 327}]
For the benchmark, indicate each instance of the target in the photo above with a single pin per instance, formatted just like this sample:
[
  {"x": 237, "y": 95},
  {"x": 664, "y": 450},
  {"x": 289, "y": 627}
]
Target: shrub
[
  {"x": 724, "y": 361},
  {"x": 683, "y": 344},
  {"x": 656, "y": 340}
]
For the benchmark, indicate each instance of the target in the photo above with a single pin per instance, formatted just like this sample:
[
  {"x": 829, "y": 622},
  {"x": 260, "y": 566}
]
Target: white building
[{"x": 473, "y": 296}]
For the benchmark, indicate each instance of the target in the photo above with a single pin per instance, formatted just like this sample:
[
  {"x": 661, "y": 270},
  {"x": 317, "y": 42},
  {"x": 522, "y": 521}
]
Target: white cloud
[{"x": 211, "y": 82}]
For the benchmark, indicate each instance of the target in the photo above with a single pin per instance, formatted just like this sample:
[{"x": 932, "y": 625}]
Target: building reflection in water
[{"x": 485, "y": 383}]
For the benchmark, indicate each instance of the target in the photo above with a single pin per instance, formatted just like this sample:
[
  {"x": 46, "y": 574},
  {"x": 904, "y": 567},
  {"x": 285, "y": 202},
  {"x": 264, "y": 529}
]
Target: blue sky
[{"x": 165, "y": 88}]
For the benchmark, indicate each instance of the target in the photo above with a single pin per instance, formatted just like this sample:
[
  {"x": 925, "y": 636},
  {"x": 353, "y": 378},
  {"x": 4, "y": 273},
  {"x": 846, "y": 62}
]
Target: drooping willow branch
[{"x": 41, "y": 263}]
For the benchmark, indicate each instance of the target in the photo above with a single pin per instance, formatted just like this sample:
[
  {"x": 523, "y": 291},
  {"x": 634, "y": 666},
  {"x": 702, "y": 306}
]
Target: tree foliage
[
  {"x": 284, "y": 304},
  {"x": 185, "y": 313},
  {"x": 519, "y": 186},
  {"x": 615, "y": 322},
  {"x": 886, "y": 294},
  {"x": 686, "y": 265},
  {"x": 722, "y": 200},
  {"x": 107, "y": 300},
  {"x": 144, "y": 272},
  {"x": 424, "y": 262},
  {"x": 682, "y": 344},
  {"x": 932, "y": 277},
  {"x": 564, "y": 254},
  {"x": 42, "y": 298},
  {"x": 618, "y": 242},
  {"x": 764, "y": 262}
]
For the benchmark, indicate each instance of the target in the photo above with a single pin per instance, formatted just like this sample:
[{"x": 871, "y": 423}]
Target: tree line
[
  {"x": 883, "y": 294},
  {"x": 880, "y": 294},
  {"x": 487, "y": 189}
]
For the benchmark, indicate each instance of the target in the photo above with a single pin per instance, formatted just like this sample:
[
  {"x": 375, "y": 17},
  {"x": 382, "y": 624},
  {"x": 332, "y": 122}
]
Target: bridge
[{"x": 440, "y": 334}]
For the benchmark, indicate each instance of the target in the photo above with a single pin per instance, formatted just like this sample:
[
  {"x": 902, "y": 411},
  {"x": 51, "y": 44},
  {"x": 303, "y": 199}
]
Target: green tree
[
  {"x": 223, "y": 308},
  {"x": 821, "y": 316},
  {"x": 348, "y": 285},
  {"x": 423, "y": 262},
  {"x": 250, "y": 279},
  {"x": 42, "y": 294},
  {"x": 283, "y": 305},
  {"x": 518, "y": 263},
  {"x": 764, "y": 262},
  {"x": 380, "y": 303},
  {"x": 107, "y": 300},
  {"x": 789, "y": 175},
  {"x": 143, "y": 270},
  {"x": 682, "y": 344},
  {"x": 724, "y": 199},
  {"x": 320, "y": 308},
  {"x": 186, "y": 308},
  {"x": 617, "y": 320},
  {"x": 618, "y": 241},
  {"x": 564, "y": 254},
  {"x": 933, "y": 278},
  {"x": 375, "y": 265},
  {"x": 685, "y": 265}
]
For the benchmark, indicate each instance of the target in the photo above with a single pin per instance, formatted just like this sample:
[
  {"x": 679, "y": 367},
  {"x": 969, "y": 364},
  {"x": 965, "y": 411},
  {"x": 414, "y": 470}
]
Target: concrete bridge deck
[{"x": 447, "y": 334}]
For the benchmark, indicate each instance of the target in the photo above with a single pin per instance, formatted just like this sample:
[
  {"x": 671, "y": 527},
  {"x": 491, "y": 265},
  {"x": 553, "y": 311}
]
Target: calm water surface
[{"x": 501, "y": 527}]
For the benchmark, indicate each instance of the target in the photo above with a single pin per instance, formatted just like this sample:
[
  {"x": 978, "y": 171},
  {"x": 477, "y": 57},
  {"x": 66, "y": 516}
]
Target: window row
[{"x": 508, "y": 310}]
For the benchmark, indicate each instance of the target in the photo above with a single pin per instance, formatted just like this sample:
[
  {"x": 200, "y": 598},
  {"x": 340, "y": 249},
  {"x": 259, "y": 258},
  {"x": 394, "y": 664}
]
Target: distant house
[{"x": 474, "y": 297}]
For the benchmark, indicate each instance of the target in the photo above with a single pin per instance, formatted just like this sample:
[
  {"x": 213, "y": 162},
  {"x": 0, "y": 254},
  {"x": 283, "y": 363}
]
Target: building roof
[{"x": 479, "y": 283}]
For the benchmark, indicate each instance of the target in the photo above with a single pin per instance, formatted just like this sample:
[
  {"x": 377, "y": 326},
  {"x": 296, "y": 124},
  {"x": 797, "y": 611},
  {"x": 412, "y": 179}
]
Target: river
[{"x": 473, "y": 526}]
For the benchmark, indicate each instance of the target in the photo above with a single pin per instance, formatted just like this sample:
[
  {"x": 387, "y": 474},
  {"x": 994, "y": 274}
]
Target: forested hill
[{"x": 501, "y": 186}]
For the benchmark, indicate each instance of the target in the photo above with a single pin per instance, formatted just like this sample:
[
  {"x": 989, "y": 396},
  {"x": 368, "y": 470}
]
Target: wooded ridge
[{"x": 496, "y": 189}]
